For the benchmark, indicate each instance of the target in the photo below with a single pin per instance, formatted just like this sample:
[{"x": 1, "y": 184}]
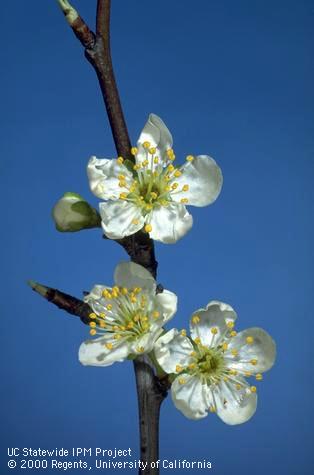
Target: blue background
[{"x": 231, "y": 79}]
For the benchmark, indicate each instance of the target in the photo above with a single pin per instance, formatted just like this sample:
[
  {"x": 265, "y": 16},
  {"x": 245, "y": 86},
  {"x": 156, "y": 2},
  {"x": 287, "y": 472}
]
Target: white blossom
[
  {"x": 211, "y": 367},
  {"x": 127, "y": 318},
  {"x": 152, "y": 194}
]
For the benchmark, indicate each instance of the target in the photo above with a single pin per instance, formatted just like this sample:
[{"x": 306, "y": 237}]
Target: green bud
[{"x": 72, "y": 213}]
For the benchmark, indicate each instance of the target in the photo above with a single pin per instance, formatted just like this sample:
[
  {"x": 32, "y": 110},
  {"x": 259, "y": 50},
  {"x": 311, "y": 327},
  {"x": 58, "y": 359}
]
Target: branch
[
  {"x": 97, "y": 52},
  {"x": 64, "y": 301}
]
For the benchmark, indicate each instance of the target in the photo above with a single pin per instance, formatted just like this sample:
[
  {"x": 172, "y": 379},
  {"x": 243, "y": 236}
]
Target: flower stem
[{"x": 151, "y": 392}]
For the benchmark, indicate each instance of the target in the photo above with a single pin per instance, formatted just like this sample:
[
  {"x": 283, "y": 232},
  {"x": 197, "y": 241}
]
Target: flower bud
[{"x": 72, "y": 213}]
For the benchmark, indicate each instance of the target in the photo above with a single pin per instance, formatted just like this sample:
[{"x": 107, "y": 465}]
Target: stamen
[
  {"x": 148, "y": 228},
  {"x": 134, "y": 151},
  {"x": 189, "y": 158},
  {"x": 195, "y": 319},
  {"x": 249, "y": 340}
]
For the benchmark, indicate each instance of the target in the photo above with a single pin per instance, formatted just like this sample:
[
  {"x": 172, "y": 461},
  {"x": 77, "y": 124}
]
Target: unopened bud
[{"x": 72, "y": 213}]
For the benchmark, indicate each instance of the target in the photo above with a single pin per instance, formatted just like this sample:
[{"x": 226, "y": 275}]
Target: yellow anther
[
  {"x": 137, "y": 290},
  {"x": 225, "y": 346},
  {"x": 230, "y": 324},
  {"x": 174, "y": 186},
  {"x": 154, "y": 195},
  {"x": 197, "y": 340},
  {"x": 195, "y": 319},
  {"x": 253, "y": 361},
  {"x": 234, "y": 352},
  {"x": 140, "y": 349},
  {"x": 233, "y": 372},
  {"x": 156, "y": 161},
  {"x": 149, "y": 206},
  {"x": 92, "y": 331},
  {"x": 135, "y": 222},
  {"x": 122, "y": 327},
  {"x": 184, "y": 200},
  {"x": 114, "y": 294},
  {"x": 259, "y": 377},
  {"x": 214, "y": 331},
  {"x": 102, "y": 324},
  {"x": 133, "y": 299},
  {"x": 116, "y": 328},
  {"x": 247, "y": 374},
  {"x": 178, "y": 368},
  {"x": 130, "y": 325},
  {"x": 238, "y": 387},
  {"x": 167, "y": 188},
  {"x": 106, "y": 294},
  {"x": 146, "y": 144},
  {"x": 233, "y": 333},
  {"x": 92, "y": 324},
  {"x": 120, "y": 160},
  {"x": 109, "y": 346},
  {"x": 189, "y": 158},
  {"x": 136, "y": 318},
  {"x": 167, "y": 177},
  {"x": 145, "y": 163},
  {"x": 136, "y": 167},
  {"x": 181, "y": 381},
  {"x": 249, "y": 340},
  {"x": 185, "y": 188},
  {"x": 170, "y": 153},
  {"x": 183, "y": 332},
  {"x": 92, "y": 315},
  {"x": 170, "y": 168},
  {"x": 122, "y": 184},
  {"x": 134, "y": 151},
  {"x": 253, "y": 389},
  {"x": 123, "y": 196},
  {"x": 124, "y": 291},
  {"x": 156, "y": 314},
  {"x": 226, "y": 379},
  {"x": 193, "y": 354},
  {"x": 212, "y": 409},
  {"x": 102, "y": 315},
  {"x": 121, "y": 177},
  {"x": 117, "y": 336},
  {"x": 152, "y": 151},
  {"x": 148, "y": 228},
  {"x": 177, "y": 173}
]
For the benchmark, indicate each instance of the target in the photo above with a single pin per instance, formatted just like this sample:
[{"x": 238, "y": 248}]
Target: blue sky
[{"x": 230, "y": 79}]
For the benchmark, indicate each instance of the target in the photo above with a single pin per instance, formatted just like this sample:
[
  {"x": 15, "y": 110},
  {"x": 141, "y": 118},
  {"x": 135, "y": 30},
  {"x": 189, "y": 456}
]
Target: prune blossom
[
  {"x": 152, "y": 193},
  {"x": 126, "y": 318},
  {"x": 211, "y": 367}
]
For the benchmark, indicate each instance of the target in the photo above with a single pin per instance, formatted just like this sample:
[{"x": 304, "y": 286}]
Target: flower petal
[
  {"x": 167, "y": 304},
  {"x": 261, "y": 351},
  {"x": 170, "y": 223},
  {"x": 173, "y": 349},
  {"x": 129, "y": 275},
  {"x": 157, "y": 134},
  {"x": 118, "y": 218},
  {"x": 146, "y": 342},
  {"x": 191, "y": 397},
  {"x": 235, "y": 406},
  {"x": 204, "y": 178},
  {"x": 103, "y": 177},
  {"x": 94, "y": 353},
  {"x": 215, "y": 316}
]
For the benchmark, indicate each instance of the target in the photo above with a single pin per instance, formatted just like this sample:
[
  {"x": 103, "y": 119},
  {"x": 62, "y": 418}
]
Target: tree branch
[
  {"x": 97, "y": 52},
  {"x": 64, "y": 301}
]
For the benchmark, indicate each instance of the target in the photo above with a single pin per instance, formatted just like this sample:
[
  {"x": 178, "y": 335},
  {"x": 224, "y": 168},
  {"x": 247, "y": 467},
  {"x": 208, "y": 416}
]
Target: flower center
[
  {"x": 154, "y": 180},
  {"x": 123, "y": 314}
]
